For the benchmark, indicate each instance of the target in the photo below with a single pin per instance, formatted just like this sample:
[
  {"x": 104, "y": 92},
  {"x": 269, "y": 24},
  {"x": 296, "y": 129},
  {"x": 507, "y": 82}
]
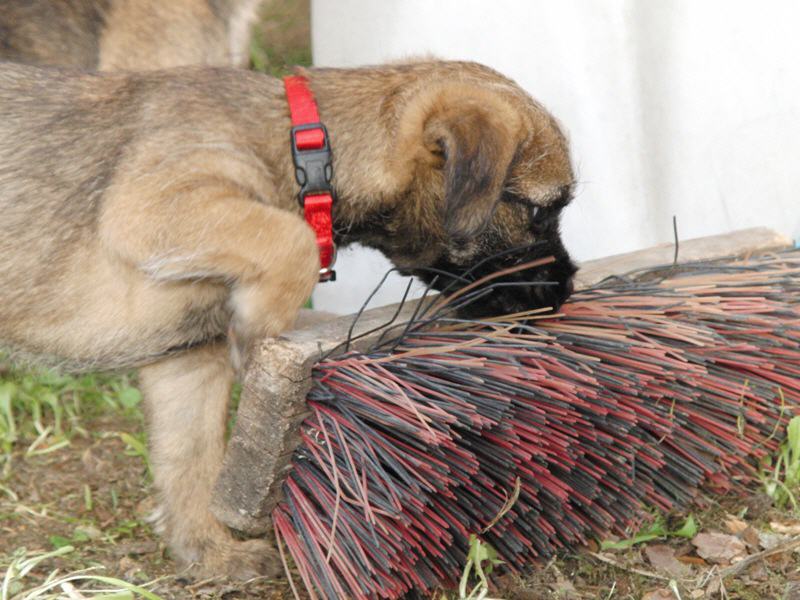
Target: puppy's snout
[
  {"x": 565, "y": 290},
  {"x": 550, "y": 296},
  {"x": 531, "y": 289}
]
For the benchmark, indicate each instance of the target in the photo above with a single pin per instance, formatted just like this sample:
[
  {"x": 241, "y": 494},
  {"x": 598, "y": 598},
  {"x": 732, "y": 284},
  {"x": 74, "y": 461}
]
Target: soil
[{"x": 107, "y": 524}]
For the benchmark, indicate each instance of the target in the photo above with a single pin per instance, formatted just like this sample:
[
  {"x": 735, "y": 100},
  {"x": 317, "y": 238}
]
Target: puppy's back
[
  {"x": 55, "y": 163},
  {"x": 65, "y": 134}
]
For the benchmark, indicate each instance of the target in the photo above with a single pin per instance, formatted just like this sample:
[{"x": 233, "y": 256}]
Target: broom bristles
[{"x": 635, "y": 394}]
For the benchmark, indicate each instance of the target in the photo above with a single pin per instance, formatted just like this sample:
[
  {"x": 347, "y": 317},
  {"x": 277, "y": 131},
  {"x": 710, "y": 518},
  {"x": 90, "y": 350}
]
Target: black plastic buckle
[
  {"x": 313, "y": 167},
  {"x": 313, "y": 170}
]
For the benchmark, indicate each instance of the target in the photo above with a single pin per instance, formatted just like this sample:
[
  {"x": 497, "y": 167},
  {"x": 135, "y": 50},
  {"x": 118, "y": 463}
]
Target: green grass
[
  {"x": 281, "y": 41},
  {"x": 657, "y": 529},
  {"x": 482, "y": 559},
  {"x": 41, "y": 414},
  {"x": 41, "y": 410},
  {"x": 267, "y": 60},
  {"x": 83, "y": 584},
  {"x": 780, "y": 474}
]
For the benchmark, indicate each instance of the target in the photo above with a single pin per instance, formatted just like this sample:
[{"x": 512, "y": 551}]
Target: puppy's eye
[
  {"x": 539, "y": 215},
  {"x": 511, "y": 198}
]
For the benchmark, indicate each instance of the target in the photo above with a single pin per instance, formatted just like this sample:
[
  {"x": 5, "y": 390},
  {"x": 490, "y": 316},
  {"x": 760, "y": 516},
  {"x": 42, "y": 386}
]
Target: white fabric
[{"x": 674, "y": 107}]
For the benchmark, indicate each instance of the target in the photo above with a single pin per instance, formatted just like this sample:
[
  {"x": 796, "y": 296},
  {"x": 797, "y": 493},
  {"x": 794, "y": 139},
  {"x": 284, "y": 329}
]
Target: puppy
[
  {"x": 127, "y": 34},
  {"x": 147, "y": 215}
]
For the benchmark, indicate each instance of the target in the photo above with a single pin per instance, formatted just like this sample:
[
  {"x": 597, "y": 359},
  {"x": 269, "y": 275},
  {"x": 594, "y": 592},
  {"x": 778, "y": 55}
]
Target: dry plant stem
[
  {"x": 204, "y": 582},
  {"x": 613, "y": 563},
  {"x": 506, "y": 507},
  {"x": 738, "y": 567}
]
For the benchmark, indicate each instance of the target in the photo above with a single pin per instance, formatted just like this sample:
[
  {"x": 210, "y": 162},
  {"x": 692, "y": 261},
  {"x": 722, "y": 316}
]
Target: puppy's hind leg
[{"x": 186, "y": 398}]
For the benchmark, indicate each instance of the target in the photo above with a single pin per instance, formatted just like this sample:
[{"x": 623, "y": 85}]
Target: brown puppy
[
  {"x": 146, "y": 215},
  {"x": 126, "y": 34}
]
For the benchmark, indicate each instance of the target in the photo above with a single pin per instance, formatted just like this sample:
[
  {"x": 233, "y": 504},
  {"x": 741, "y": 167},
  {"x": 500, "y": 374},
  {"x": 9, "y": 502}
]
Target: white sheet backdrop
[{"x": 674, "y": 107}]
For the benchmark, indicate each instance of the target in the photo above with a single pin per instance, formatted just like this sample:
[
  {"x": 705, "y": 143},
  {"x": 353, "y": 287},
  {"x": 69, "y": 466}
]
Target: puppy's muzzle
[
  {"x": 545, "y": 287},
  {"x": 538, "y": 287}
]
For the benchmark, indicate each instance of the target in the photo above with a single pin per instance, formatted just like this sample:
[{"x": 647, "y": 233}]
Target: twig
[
  {"x": 204, "y": 582},
  {"x": 673, "y": 586},
  {"x": 707, "y": 577},
  {"x": 753, "y": 558},
  {"x": 677, "y": 242},
  {"x": 71, "y": 592},
  {"x": 613, "y": 563}
]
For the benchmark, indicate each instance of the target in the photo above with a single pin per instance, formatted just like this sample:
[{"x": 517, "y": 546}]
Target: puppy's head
[{"x": 484, "y": 173}]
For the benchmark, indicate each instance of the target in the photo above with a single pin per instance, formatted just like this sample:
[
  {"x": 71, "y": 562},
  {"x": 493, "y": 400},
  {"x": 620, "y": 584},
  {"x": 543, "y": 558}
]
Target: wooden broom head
[{"x": 538, "y": 431}]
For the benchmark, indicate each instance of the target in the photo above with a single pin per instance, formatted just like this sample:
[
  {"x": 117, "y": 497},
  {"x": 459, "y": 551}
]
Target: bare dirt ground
[{"x": 94, "y": 496}]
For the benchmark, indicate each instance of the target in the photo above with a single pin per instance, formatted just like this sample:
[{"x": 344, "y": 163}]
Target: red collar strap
[{"x": 313, "y": 169}]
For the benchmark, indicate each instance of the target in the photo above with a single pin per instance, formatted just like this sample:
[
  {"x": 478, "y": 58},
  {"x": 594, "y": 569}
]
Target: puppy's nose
[
  {"x": 567, "y": 288},
  {"x": 550, "y": 296}
]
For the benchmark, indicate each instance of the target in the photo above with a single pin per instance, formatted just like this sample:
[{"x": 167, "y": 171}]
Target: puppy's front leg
[
  {"x": 186, "y": 398},
  {"x": 266, "y": 255},
  {"x": 269, "y": 259}
]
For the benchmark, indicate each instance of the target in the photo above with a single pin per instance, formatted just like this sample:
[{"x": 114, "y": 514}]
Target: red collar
[{"x": 313, "y": 168}]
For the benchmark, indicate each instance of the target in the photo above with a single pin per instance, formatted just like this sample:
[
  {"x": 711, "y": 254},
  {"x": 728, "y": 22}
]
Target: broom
[{"x": 537, "y": 431}]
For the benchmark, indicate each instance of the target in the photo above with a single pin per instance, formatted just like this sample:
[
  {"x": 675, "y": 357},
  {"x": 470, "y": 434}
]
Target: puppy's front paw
[
  {"x": 269, "y": 305},
  {"x": 241, "y": 560}
]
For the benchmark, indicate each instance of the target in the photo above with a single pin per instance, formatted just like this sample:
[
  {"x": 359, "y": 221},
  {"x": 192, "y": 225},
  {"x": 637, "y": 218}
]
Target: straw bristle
[{"x": 635, "y": 394}]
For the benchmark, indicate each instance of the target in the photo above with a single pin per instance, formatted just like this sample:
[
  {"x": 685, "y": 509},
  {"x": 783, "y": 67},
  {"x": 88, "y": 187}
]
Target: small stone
[
  {"x": 735, "y": 525},
  {"x": 768, "y": 540},
  {"x": 90, "y": 531},
  {"x": 662, "y": 557},
  {"x": 659, "y": 594},
  {"x": 136, "y": 548},
  {"x": 719, "y": 548}
]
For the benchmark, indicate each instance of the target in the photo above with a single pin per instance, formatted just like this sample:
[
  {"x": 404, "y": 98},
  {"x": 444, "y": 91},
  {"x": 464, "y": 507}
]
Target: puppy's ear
[{"x": 474, "y": 136}]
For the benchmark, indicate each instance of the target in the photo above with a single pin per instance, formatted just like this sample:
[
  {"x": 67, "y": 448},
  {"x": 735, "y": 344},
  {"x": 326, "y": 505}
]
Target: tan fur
[
  {"x": 187, "y": 411},
  {"x": 149, "y": 218},
  {"x": 127, "y": 34}
]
